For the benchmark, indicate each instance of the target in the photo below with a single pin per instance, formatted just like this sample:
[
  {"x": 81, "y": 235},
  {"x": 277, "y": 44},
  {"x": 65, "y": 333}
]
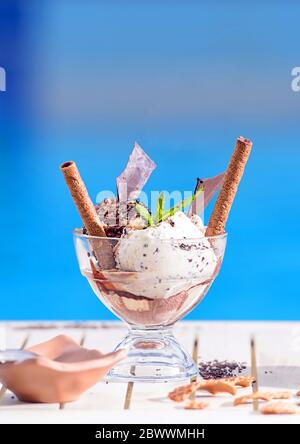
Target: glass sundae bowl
[{"x": 151, "y": 286}]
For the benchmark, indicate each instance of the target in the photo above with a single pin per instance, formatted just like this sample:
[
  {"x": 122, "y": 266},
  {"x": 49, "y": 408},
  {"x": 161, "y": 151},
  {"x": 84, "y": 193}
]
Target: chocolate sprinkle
[{"x": 220, "y": 369}]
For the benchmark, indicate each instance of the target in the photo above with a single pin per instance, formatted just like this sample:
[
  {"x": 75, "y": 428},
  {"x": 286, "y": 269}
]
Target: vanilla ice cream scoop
[{"x": 174, "y": 254}]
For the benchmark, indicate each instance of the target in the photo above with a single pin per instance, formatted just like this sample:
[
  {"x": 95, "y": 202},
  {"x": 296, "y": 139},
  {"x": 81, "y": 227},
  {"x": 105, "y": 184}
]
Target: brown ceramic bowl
[{"x": 61, "y": 371}]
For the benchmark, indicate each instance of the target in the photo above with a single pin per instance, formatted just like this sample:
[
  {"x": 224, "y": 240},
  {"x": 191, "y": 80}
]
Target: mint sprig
[{"x": 160, "y": 214}]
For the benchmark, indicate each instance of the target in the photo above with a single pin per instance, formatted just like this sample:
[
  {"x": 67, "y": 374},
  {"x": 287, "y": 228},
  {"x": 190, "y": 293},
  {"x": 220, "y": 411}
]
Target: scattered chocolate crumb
[
  {"x": 114, "y": 231},
  {"x": 185, "y": 247},
  {"x": 156, "y": 251},
  {"x": 220, "y": 369}
]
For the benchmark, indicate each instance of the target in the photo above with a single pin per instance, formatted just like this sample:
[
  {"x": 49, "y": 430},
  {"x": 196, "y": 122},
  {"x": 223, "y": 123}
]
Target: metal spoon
[{"x": 11, "y": 355}]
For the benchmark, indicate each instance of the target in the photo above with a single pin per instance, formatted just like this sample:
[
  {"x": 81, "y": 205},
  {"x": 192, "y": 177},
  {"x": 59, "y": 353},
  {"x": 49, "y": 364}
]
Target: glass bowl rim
[{"x": 77, "y": 232}]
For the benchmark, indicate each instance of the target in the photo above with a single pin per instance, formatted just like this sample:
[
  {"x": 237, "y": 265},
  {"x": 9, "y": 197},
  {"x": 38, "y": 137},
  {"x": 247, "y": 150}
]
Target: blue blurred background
[{"x": 85, "y": 79}]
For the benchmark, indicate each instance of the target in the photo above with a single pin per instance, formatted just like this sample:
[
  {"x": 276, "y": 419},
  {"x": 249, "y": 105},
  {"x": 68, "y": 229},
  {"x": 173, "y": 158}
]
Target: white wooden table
[{"x": 278, "y": 355}]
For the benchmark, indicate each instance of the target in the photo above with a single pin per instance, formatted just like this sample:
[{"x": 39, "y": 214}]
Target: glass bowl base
[{"x": 153, "y": 356}]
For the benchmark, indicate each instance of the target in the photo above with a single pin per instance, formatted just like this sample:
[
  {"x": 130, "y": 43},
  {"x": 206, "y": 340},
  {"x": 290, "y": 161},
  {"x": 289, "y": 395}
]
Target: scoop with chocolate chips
[
  {"x": 170, "y": 251},
  {"x": 118, "y": 217}
]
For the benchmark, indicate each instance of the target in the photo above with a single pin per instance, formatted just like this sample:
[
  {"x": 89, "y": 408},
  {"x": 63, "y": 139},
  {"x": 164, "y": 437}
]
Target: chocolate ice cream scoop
[{"x": 117, "y": 216}]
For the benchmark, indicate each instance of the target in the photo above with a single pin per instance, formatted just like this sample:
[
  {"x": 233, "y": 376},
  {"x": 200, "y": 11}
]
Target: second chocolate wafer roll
[{"x": 233, "y": 175}]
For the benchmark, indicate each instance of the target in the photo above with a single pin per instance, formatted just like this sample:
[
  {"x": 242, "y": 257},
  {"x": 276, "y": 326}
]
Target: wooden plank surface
[{"x": 278, "y": 358}]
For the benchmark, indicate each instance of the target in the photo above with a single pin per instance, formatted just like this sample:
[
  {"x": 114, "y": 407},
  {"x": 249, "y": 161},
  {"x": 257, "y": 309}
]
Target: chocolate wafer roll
[
  {"x": 102, "y": 248},
  {"x": 233, "y": 176}
]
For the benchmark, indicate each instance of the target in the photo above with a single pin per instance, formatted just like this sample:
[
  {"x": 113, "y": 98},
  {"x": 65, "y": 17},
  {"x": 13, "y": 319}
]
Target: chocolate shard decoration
[
  {"x": 211, "y": 186},
  {"x": 138, "y": 170}
]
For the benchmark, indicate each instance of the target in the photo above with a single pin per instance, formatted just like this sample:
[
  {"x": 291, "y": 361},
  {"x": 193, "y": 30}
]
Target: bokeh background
[{"x": 85, "y": 79}]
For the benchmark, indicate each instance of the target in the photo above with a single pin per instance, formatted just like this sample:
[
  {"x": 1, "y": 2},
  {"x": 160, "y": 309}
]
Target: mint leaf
[
  {"x": 144, "y": 213},
  {"x": 159, "y": 207}
]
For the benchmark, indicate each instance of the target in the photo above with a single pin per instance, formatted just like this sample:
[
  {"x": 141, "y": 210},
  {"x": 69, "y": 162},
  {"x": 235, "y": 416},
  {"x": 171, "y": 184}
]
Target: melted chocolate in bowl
[{"x": 140, "y": 311}]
